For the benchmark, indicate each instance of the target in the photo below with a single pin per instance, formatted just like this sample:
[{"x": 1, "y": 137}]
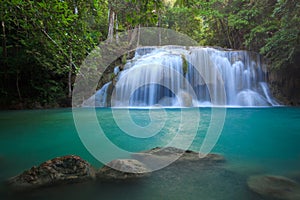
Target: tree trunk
[
  {"x": 134, "y": 35},
  {"x": 139, "y": 35},
  {"x": 226, "y": 31},
  {"x": 70, "y": 75},
  {"x": 159, "y": 30},
  {"x": 111, "y": 22},
  {"x": 117, "y": 30},
  {"x": 4, "y": 53},
  {"x": 17, "y": 85}
]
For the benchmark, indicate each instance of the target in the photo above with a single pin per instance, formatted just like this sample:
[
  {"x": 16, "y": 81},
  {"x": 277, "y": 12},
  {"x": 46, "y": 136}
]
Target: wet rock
[
  {"x": 185, "y": 99},
  {"x": 277, "y": 187},
  {"x": 284, "y": 83},
  {"x": 122, "y": 169},
  {"x": 66, "y": 169},
  {"x": 211, "y": 158},
  {"x": 163, "y": 156},
  {"x": 295, "y": 175},
  {"x": 186, "y": 155}
]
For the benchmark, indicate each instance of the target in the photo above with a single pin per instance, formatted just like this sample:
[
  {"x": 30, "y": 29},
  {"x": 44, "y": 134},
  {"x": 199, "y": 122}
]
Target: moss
[
  {"x": 112, "y": 76},
  {"x": 185, "y": 64},
  {"x": 124, "y": 59}
]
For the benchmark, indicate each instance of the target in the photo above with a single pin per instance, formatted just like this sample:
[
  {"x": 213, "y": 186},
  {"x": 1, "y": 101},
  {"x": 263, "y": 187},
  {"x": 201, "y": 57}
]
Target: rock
[
  {"x": 185, "y": 99},
  {"x": 66, "y": 169},
  {"x": 165, "y": 151},
  {"x": 155, "y": 162},
  {"x": 161, "y": 156},
  {"x": 185, "y": 155},
  {"x": 122, "y": 169},
  {"x": 284, "y": 83},
  {"x": 295, "y": 175},
  {"x": 210, "y": 158},
  {"x": 277, "y": 187}
]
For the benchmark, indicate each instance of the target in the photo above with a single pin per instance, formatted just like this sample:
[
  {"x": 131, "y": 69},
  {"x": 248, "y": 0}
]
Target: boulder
[
  {"x": 66, "y": 169},
  {"x": 122, "y": 169},
  {"x": 211, "y": 158},
  {"x": 185, "y": 99},
  {"x": 158, "y": 156},
  {"x": 276, "y": 187},
  {"x": 295, "y": 175}
]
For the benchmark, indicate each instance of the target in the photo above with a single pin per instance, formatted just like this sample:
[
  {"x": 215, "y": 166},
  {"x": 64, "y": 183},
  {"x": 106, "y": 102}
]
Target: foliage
[
  {"x": 268, "y": 26},
  {"x": 185, "y": 64},
  {"x": 44, "y": 42},
  {"x": 284, "y": 45}
]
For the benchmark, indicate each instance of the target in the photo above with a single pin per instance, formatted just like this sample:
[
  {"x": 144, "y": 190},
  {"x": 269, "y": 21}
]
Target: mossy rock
[
  {"x": 60, "y": 170},
  {"x": 275, "y": 187}
]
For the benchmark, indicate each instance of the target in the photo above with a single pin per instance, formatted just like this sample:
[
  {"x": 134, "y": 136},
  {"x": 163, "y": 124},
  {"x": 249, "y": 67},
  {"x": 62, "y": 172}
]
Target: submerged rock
[
  {"x": 158, "y": 156},
  {"x": 66, "y": 169},
  {"x": 122, "y": 169},
  {"x": 277, "y": 187},
  {"x": 186, "y": 155},
  {"x": 295, "y": 175}
]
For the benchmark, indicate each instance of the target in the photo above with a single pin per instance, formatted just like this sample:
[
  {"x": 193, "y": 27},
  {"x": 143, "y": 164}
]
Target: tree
[
  {"x": 267, "y": 26},
  {"x": 283, "y": 46},
  {"x": 131, "y": 14},
  {"x": 48, "y": 38}
]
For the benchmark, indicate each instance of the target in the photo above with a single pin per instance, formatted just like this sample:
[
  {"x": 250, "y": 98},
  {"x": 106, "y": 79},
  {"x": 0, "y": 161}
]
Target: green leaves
[
  {"x": 284, "y": 45},
  {"x": 132, "y": 12},
  {"x": 39, "y": 37},
  {"x": 268, "y": 26}
]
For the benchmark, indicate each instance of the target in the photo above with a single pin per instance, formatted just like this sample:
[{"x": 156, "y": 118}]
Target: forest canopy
[{"x": 45, "y": 41}]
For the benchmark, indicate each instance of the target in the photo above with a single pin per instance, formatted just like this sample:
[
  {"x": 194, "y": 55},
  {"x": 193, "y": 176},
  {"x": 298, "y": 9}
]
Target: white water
[
  {"x": 174, "y": 76},
  {"x": 98, "y": 99}
]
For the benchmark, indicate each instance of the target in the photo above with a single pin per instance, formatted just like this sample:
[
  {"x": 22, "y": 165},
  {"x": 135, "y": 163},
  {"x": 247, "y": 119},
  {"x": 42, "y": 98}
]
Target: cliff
[{"x": 285, "y": 84}]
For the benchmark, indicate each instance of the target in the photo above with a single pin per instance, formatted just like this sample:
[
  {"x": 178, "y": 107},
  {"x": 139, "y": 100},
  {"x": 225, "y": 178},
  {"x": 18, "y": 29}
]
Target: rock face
[
  {"x": 285, "y": 84},
  {"x": 277, "y": 187},
  {"x": 66, "y": 169},
  {"x": 161, "y": 156},
  {"x": 121, "y": 169}
]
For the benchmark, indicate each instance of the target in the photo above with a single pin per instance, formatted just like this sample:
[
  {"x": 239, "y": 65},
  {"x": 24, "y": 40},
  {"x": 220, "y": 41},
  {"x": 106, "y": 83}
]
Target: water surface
[{"x": 253, "y": 141}]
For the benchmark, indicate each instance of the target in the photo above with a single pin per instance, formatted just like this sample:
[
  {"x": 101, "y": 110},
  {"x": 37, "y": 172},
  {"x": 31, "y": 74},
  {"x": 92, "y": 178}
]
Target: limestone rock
[
  {"x": 161, "y": 156},
  {"x": 66, "y": 169},
  {"x": 277, "y": 187},
  {"x": 122, "y": 169}
]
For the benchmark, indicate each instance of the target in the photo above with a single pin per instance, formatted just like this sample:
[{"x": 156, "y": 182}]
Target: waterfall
[
  {"x": 177, "y": 76},
  {"x": 99, "y": 99}
]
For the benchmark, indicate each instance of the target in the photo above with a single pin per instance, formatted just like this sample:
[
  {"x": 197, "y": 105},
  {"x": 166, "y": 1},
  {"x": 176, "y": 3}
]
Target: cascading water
[
  {"x": 99, "y": 99},
  {"x": 177, "y": 76}
]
